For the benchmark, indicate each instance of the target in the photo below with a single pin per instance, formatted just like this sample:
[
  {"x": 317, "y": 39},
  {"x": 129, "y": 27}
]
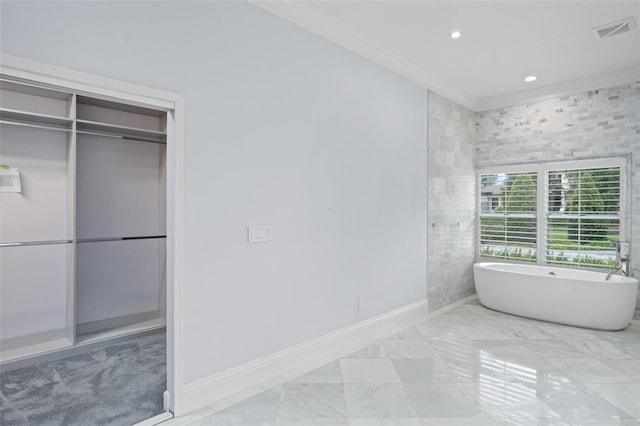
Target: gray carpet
[{"x": 116, "y": 385}]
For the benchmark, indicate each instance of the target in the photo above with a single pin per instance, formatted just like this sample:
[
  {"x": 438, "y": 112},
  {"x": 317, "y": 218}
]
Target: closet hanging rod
[
  {"x": 117, "y": 136},
  {"x": 36, "y": 243},
  {"x": 97, "y": 240},
  {"x": 35, "y": 126}
]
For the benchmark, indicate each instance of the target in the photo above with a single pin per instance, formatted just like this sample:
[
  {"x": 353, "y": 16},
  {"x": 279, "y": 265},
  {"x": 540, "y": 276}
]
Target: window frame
[{"x": 541, "y": 169}]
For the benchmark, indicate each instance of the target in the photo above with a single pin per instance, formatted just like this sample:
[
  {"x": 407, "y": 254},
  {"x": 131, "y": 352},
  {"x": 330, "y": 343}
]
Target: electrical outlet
[
  {"x": 259, "y": 234},
  {"x": 360, "y": 305}
]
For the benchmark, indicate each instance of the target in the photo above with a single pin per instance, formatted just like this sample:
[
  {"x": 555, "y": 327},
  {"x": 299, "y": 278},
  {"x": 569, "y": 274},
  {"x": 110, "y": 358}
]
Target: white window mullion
[{"x": 541, "y": 215}]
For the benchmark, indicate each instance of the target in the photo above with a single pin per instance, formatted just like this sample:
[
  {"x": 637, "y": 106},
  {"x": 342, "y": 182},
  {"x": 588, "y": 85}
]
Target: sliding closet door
[{"x": 121, "y": 244}]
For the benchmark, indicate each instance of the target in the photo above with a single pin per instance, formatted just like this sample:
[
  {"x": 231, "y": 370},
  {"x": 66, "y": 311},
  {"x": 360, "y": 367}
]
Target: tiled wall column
[
  {"x": 598, "y": 123},
  {"x": 451, "y": 202}
]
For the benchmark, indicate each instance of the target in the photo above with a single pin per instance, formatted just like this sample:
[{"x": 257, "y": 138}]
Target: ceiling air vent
[{"x": 615, "y": 28}]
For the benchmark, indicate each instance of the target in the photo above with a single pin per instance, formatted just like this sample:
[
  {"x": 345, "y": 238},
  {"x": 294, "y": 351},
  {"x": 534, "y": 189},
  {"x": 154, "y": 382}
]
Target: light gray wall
[
  {"x": 451, "y": 201},
  {"x": 282, "y": 128},
  {"x": 604, "y": 122}
]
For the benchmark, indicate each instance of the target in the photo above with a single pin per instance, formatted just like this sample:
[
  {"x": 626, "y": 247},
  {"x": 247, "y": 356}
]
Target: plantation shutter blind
[
  {"x": 582, "y": 216},
  {"x": 508, "y": 215}
]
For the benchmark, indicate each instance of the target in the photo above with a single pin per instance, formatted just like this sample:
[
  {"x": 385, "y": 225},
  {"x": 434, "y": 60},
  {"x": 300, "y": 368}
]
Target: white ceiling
[{"x": 501, "y": 43}]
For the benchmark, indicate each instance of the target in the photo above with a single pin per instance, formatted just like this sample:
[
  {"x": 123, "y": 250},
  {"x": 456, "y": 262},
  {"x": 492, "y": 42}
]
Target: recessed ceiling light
[
  {"x": 530, "y": 78},
  {"x": 456, "y": 34}
]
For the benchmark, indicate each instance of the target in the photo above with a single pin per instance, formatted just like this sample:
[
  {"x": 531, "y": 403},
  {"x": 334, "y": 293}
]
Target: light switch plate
[{"x": 259, "y": 234}]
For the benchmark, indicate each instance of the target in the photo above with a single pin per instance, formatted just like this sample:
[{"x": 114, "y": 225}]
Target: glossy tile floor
[{"x": 467, "y": 366}]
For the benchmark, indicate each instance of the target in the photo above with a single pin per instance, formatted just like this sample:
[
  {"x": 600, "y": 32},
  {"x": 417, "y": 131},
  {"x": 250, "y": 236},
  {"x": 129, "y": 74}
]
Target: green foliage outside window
[{"x": 586, "y": 199}]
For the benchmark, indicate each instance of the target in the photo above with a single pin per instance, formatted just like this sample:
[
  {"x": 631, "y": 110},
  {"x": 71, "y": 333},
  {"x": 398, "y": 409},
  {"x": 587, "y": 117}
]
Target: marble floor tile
[
  {"x": 507, "y": 348},
  {"x": 376, "y": 350},
  {"x": 311, "y": 422},
  {"x": 511, "y": 399},
  {"x": 484, "y": 369},
  {"x": 629, "y": 367},
  {"x": 462, "y": 350},
  {"x": 262, "y": 406},
  {"x": 494, "y": 332},
  {"x": 576, "y": 401},
  {"x": 385, "y": 422},
  {"x": 409, "y": 349},
  {"x": 536, "y": 373},
  {"x": 317, "y": 363},
  {"x": 242, "y": 396},
  {"x": 457, "y": 318},
  {"x": 387, "y": 400},
  {"x": 469, "y": 366},
  {"x": 590, "y": 371},
  {"x": 529, "y": 421},
  {"x": 600, "y": 349},
  {"x": 624, "y": 396},
  {"x": 557, "y": 349},
  {"x": 194, "y": 418},
  {"x": 443, "y": 400},
  {"x": 368, "y": 371},
  {"x": 427, "y": 370},
  {"x": 329, "y": 373},
  {"x": 214, "y": 420},
  {"x": 457, "y": 421},
  {"x": 604, "y": 422},
  {"x": 565, "y": 332},
  {"x": 632, "y": 348},
  {"x": 630, "y": 334},
  {"x": 312, "y": 400},
  {"x": 428, "y": 331}
]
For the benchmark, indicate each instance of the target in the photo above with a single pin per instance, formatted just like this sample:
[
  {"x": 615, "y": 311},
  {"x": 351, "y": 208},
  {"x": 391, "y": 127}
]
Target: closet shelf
[
  {"x": 99, "y": 240},
  {"x": 33, "y": 117},
  {"x": 116, "y": 130},
  {"x": 35, "y": 243}
]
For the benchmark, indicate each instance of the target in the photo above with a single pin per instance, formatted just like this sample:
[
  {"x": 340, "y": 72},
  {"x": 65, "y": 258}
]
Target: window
[
  {"x": 508, "y": 222},
  {"x": 555, "y": 213}
]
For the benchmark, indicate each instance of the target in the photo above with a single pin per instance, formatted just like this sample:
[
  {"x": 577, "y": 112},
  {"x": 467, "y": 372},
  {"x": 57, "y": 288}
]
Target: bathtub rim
[{"x": 615, "y": 279}]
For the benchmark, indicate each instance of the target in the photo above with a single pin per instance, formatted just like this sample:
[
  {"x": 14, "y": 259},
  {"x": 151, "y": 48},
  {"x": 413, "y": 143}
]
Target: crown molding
[
  {"x": 305, "y": 16},
  {"x": 617, "y": 78}
]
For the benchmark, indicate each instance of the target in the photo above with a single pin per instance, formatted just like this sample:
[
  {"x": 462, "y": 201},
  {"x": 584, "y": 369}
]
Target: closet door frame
[{"x": 25, "y": 70}]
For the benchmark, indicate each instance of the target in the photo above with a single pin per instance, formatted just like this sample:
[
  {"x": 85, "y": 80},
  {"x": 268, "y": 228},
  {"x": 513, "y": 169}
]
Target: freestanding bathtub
[{"x": 566, "y": 296}]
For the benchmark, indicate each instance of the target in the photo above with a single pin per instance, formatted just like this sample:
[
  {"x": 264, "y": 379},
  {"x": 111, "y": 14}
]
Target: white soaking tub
[{"x": 566, "y": 296}]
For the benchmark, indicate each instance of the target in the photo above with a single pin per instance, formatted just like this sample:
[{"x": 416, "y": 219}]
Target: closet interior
[{"x": 82, "y": 219}]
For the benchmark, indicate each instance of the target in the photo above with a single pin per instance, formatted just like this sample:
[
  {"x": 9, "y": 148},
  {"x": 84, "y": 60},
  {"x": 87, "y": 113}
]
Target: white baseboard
[
  {"x": 224, "y": 385},
  {"x": 111, "y": 323}
]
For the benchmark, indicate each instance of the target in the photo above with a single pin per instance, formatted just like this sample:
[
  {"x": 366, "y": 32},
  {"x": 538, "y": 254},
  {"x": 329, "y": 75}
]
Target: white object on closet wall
[
  {"x": 39, "y": 211},
  {"x": 9, "y": 179}
]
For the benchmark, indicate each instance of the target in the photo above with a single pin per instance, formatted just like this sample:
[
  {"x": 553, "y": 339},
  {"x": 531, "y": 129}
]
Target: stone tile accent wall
[
  {"x": 451, "y": 202},
  {"x": 598, "y": 123}
]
